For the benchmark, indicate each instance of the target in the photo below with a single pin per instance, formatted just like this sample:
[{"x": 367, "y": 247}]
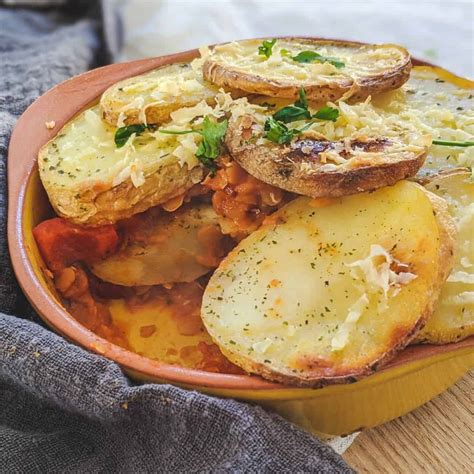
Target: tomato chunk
[{"x": 62, "y": 243}]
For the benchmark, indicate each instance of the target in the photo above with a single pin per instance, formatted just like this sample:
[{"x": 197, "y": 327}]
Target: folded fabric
[{"x": 66, "y": 410}]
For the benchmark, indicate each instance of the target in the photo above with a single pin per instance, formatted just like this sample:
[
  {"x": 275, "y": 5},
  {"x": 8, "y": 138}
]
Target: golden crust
[
  {"x": 449, "y": 323},
  {"x": 263, "y": 370},
  {"x": 94, "y": 207},
  {"x": 319, "y": 367},
  {"x": 130, "y": 96},
  {"x": 358, "y": 87},
  {"x": 295, "y": 169},
  {"x": 91, "y": 181}
]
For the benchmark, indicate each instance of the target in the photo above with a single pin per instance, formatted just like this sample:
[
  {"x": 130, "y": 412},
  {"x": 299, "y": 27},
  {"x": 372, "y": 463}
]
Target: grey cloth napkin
[{"x": 63, "y": 409}]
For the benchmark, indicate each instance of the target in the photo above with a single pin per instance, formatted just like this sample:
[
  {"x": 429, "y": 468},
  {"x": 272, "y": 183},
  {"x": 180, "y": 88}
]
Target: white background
[{"x": 439, "y": 31}]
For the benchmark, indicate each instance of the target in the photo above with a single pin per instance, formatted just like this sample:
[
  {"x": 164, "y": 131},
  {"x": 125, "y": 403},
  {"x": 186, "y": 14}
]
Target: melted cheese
[
  {"x": 359, "y": 61},
  {"x": 161, "y": 88},
  {"x": 340, "y": 340},
  {"x": 376, "y": 272},
  {"x": 425, "y": 106},
  {"x": 84, "y": 154}
]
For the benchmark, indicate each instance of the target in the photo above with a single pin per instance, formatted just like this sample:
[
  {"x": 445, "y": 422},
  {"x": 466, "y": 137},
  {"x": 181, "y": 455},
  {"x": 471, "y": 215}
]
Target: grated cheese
[
  {"x": 262, "y": 346},
  {"x": 420, "y": 109},
  {"x": 340, "y": 340},
  {"x": 375, "y": 271},
  {"x": 243, "y": 56},
  {"x": 461, "y": 277}
]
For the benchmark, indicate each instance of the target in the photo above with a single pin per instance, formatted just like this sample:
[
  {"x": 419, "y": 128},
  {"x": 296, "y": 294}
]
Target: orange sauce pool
[{"x": 156, "y": 322}]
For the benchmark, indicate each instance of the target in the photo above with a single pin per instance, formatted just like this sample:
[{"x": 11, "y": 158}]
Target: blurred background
[{"x": 438, "y": 31}]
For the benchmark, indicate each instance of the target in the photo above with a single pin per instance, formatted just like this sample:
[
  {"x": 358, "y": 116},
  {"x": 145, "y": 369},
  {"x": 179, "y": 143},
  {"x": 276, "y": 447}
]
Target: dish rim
[{"x": 81, "y": 91}]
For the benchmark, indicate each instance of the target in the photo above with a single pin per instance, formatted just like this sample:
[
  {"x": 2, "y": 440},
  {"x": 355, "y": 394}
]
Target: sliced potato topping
[
  {"x": 433, "y": 102},
  {"x": 315, "y": 166},
  {"x": 166, "y": 248},
  {"x": 151, "y": 97},
  {"x": 328, "y": 70},
  {"x": 453, "y": 318},
  {"x": 327, "y": 289},
  {"x": 355, "y": 61},
  {"x": 91, "y": 180}
]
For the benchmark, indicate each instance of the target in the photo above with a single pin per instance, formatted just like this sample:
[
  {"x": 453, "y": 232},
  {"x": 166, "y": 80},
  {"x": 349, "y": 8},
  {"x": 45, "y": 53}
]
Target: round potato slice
[
  {"x": 326, "y": 69},
  {"x": 318, "y": 167},
  {"x": 91, "y": 181},
  {"x": 436, "y": 102},
  {"x": 165, "y": 248},
  {"x": 328, "y": 290},
  {"x": 150, "y": 98},
  {"x": 453, "y": 318}
]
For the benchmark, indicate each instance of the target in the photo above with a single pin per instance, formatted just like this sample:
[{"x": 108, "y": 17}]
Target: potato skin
[
  {"x": 447, "y": 234},
  {"x": 317, "y": 375},
  {"x": 154, "y": 115},
  {"x": 255, "y": 368},
  {"x": 114, "y": 100},
  {"x": 94, "y": 207},
  {"x": 443, "y": 327},
  {"x": 280, "y": 166},
  {"x": 223, "y": 76}
]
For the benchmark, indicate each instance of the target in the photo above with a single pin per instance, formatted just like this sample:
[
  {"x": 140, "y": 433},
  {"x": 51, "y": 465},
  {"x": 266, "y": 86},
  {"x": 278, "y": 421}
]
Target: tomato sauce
[{"x": 243, "y": 201}]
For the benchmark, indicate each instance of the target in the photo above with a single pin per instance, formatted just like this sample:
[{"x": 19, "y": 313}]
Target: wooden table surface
[{"x": 436, "y": 438}]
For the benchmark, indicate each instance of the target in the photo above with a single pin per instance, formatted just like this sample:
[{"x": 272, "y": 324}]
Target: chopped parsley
[
  {"x": 297, "y": 111},
  {"x": 124, "y": 133},
  {"x": 278, "y": 132},
  {"x": 212, "y": 136},
  {"x": 327, "y": 113},
  {"x": 452, "y": 143},
  {"x": 265, "y": 49},
  {"x": 212, "y": 133},
  {"x": 314, "y": 57}
]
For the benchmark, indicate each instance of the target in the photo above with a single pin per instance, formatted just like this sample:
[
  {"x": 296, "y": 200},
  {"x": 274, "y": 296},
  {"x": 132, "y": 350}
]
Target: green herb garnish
[
  {"x": 212, "y": 136},
  {"x": 292, "y": 113},
  {"x": 278, "y": 132},
  {"x": 266, "y": 48},
  {"x": 327, "y": 113},
  {"x": 299, "y": 111},
  {"x": 313, "y": 57},
  {"x": 452, "y": 143},
  {"x": 124, "y": 133},
  {"x": 302, "y": 100}
]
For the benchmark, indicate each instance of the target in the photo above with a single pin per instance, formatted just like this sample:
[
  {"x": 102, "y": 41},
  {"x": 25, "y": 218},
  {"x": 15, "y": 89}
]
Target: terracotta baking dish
[{"x": 416, "y": 375}]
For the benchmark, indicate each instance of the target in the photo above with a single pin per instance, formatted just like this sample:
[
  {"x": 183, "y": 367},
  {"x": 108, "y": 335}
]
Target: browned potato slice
[
  {"x": 437, "y": 102},
  {"x": 453, "y": 318},
  {"x": 346, "y": 68},
  {"x": 90, "y": 181},
  {"x": 317, "y": 167},
  {"x": 151, "y": 97},
  {"x": 168, "y": 248},
  {"x": 327, "y": 291}
]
